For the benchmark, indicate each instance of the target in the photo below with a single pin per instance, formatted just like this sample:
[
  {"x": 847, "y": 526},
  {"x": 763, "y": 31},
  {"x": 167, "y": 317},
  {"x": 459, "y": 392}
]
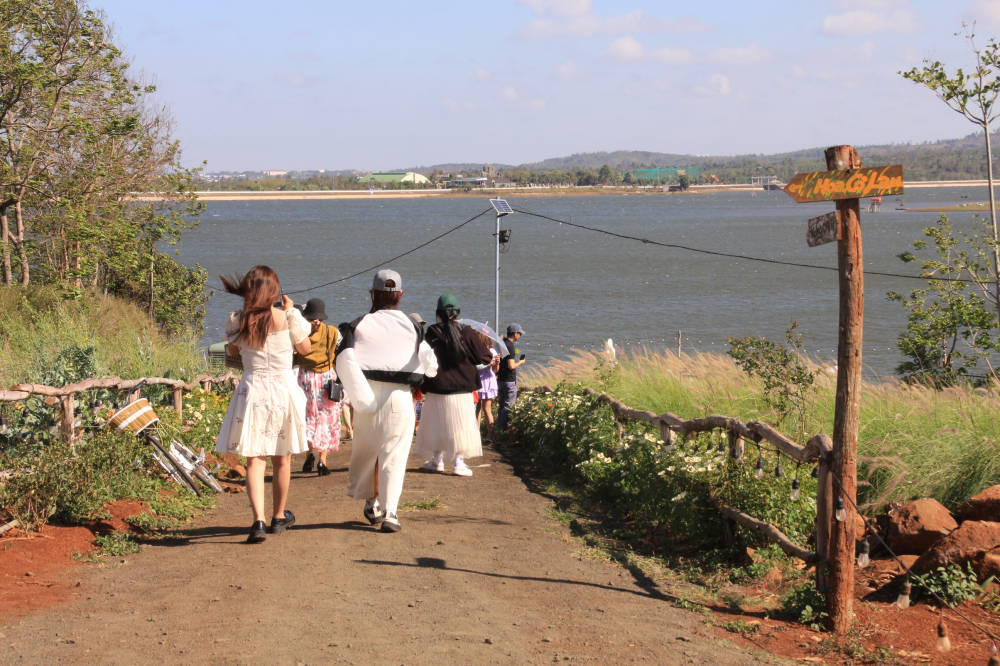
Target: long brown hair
[{"x": 260, "y": 289}]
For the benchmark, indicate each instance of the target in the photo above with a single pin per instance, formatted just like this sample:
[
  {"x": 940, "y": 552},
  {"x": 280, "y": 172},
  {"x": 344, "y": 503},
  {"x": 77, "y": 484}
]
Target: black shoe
[
  {"x": 279, "y": 525},
  {"x": 307, "y": 466},
  {"x": 323, "y": 469},
  {"x": 373, "y": 517},
  {"x": 258, "y": 532}
]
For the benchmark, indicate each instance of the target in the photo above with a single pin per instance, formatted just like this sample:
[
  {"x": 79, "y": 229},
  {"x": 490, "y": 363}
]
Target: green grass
[
  {"x": 914, "y": 441},
  {"x": 117, "y": 544},
  {"x": 434, "y": 504},
  {"x": 37, "y": 323},
  {"x": 740, "y": 627}
]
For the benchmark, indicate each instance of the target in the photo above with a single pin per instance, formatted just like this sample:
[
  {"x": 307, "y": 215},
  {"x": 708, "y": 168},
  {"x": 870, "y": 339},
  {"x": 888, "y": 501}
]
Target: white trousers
[{"x": 381, "y": 446}]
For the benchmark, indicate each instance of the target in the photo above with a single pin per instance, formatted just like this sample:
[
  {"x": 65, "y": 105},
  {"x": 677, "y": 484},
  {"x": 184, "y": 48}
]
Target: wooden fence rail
[
  {"x": 817, "y": 450},
  {"x": 65, "y": 396}
]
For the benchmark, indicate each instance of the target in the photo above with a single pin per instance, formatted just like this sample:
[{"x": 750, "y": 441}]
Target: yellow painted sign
[{"x": 849, "y": 184}]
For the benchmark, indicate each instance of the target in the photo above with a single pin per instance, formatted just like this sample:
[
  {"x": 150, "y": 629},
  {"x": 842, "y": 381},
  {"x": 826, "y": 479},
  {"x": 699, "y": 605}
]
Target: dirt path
[{"x": 486, "y": 580}]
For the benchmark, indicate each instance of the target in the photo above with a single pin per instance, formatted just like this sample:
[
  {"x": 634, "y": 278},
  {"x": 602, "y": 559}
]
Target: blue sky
[{"x": 379, "y": 85}]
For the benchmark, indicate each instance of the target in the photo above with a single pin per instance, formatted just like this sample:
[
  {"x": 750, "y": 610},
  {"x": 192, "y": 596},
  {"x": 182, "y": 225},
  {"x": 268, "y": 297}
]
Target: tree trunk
[
  {"x": 8, "y": 273},
  {"x": 840, "y": 591},
  {"x": 152, "y": 265},
  {"x": 22, "y": 252},
  {"x": 993, "y": 218}
]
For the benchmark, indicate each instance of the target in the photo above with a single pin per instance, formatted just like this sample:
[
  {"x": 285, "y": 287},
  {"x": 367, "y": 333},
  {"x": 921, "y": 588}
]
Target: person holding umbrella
[
  {"x": 487, "y": 374},
  {"x": 318, "y": 380},
  {"x": 448, "y": 427}
]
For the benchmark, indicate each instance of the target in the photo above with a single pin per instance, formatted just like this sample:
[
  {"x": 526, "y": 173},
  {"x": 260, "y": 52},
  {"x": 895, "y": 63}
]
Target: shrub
[
  {"x": 952, "y": 584},
  {"x": 117, "y": 544},
  {"x": 660, "y": 488},
  {"x": 803, "y": 603}
]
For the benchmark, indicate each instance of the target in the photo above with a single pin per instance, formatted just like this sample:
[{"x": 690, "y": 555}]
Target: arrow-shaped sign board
[{"x": 849, "y": 184}]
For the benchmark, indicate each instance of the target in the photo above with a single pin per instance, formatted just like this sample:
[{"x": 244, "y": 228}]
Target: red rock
[
  {"x": 984, "y": 506},
  {"x": 908, "y": 560},
  {"x": 974, "y": 541},
  {"x": 987, "y": 564},
  {"x": 237, "y": 471},
  {"x": 917, "y": 526}
]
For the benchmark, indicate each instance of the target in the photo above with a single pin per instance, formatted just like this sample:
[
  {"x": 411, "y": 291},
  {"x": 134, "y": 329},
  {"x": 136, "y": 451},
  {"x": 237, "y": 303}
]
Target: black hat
[{"x": 315, "y": 309}]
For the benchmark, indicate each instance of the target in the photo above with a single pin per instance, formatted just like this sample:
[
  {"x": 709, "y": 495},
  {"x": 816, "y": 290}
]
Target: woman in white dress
[{"x": 266, "y": 415}]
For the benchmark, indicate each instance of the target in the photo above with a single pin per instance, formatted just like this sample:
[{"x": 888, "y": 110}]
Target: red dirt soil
[
  {"x": 910, "y": 635},
  {"x": 37, "y": 569}
]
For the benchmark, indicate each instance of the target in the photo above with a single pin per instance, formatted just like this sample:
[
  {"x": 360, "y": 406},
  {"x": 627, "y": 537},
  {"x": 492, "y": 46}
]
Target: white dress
[{"x": 267, "y": 413}]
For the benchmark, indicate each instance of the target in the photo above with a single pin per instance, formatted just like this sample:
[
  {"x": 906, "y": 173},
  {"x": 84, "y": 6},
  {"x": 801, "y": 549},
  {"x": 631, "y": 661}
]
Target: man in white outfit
[{"x": 381, "y": 355}]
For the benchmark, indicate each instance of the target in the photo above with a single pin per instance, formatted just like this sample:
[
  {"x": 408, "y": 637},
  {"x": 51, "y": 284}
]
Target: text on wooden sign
[
  {"x": 823, "y": 229},
  {"x": 848, "y": 184}
]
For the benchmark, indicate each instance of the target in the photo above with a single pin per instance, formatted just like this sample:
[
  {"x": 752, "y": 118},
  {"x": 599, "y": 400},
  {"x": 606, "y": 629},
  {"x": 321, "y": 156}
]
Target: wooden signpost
[
  {"x": 845, "y": 183},
  {"x": 822, "y": 230}
]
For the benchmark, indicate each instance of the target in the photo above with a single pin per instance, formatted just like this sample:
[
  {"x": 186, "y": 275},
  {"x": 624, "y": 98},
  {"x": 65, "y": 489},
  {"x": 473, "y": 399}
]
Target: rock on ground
[
  {"x": 489, "y": 579},
  {"x": 969, "y": 542},
  {"x": 984, "y": 506},
  {"x": 917, "y": 526}
]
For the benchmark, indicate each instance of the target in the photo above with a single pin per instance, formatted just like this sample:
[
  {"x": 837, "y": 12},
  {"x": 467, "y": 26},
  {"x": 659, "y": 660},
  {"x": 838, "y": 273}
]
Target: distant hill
[{"x": 949, "y": 159}]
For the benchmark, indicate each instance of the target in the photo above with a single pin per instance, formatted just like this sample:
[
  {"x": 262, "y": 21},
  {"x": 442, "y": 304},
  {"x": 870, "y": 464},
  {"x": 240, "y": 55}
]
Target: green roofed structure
[
  {"x": 667, "y": 173},
  {"x": 394, "y": 177}
]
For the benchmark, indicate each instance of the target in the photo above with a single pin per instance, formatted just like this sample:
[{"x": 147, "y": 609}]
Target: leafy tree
[
  {"x": 948, "y": 329},
  {"x": 629, "y": 178},
  {"x": 973, "y": 96},
  {"x": 684, "y": 181},
  {"x": 787, "y": 380},
  {"x": 606, "y": 176}
]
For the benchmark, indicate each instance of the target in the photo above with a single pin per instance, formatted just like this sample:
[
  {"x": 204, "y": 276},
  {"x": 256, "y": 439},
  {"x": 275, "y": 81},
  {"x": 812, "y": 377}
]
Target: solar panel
[{"x": 501, "y": 206}]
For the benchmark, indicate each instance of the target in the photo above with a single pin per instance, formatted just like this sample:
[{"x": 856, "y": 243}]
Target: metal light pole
[{"x": 502, "y": 208}]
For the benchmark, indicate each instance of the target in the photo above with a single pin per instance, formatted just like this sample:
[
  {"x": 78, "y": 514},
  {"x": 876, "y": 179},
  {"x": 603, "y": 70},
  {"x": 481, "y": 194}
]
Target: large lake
[{"x": 573, "y": 288}]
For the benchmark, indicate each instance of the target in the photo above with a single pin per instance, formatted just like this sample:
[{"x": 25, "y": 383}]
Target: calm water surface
[{"x": 573, "y": 288}]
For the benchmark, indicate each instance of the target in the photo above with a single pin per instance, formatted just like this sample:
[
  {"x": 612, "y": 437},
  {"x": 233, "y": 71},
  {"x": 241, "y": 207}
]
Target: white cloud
[
  {"x": 859, "y": 22},
  {"x": 669, "y": 56},
  {"x": 509, "y": 94},
  {"x": 535, "y": 105},
  {"x": 453, "y": 105},
  {"x": 483, "y": 75},
  {"x": 573, "y": 22},
  {"x": 741, "y": 55},
  {"x": 559, "y": 7},
  {"x": 624, "y": 49},
  {"x": 877, "y": 5},
  {"x": 569, "y": 71},
  {"x": 717, "y": 84}
]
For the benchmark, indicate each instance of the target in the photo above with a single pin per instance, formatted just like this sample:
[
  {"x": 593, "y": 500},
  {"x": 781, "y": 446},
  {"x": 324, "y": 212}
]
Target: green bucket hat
[{"x": 447, "y": 302}]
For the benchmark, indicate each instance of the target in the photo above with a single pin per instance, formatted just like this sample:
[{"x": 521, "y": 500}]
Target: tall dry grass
[
  {"x": 36, "y": 324},
  {"x": 914, "y": 441}
]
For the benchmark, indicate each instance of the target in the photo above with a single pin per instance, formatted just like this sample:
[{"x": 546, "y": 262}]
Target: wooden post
[
  {"x": 179, "y": 401},
  {"x": 206, "y": 386},
  {"x": 824, "y": 510},
  {"x": 135, "y": 396},
  {"x": 678, "y": 344},
  {"x": 67, "y": 416},
  {"x": 840, "y": 591}
]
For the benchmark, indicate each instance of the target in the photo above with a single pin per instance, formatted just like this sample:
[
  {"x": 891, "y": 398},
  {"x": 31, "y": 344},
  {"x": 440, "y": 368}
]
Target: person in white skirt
[
  {"x": 449, "y": 430},
  {"x": 382, "y": 355},
  {"x": 266, "y": 415}
]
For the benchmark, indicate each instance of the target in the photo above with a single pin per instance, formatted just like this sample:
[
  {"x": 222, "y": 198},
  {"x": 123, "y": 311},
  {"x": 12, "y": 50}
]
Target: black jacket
[{"x": 460, "y": 377}]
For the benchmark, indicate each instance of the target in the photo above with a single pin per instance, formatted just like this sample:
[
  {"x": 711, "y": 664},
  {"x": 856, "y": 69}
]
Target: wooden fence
[
  {"x": 816, "y": 451},
  {"x": 65, "y": 396}
]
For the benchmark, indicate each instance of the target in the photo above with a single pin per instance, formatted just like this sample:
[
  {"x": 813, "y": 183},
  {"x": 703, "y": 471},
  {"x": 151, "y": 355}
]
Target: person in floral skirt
[{"x": 316, "y": 374}]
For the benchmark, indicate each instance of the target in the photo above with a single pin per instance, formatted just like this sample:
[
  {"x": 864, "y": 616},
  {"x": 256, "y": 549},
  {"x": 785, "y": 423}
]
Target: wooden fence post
[
  {"x": 66, "y": 417},
  {"x": 179, "y": 401},
  {"x": 840, "y": 591},
  {"x": 824, "y": 510}
]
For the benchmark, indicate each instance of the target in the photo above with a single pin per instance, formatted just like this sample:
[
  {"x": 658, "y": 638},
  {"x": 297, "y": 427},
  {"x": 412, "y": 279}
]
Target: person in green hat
[{"x": 448, "y": 427}]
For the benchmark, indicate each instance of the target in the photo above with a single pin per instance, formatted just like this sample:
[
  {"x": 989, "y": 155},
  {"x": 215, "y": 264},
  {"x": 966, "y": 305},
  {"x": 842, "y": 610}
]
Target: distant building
[
  {"x": 499, "y": 181},
  {"x": 489, "y": 171},
  {"x": 274, "y": 173},
  {"x": 667, "y": 173},
  {"x": 394, "y": 177},
  {"x": 462, "y": 182}
]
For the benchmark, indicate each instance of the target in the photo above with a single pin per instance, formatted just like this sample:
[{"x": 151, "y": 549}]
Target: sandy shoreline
[{"x": 321, "y": 195}]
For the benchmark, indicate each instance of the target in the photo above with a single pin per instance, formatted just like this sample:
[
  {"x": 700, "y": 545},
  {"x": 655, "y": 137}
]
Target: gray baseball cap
[
  {"x": 383, "y": 276},
  {"x": 515, "y": 328}
]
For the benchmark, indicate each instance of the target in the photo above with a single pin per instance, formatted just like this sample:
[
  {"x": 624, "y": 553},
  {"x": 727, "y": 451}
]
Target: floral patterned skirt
[{"x": 322, "y": 414}]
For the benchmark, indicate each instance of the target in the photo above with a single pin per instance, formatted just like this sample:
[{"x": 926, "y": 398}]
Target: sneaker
[
  {"x": 462, "y": 470},
  {"x": 373, "y": 512},
  {"x": 434, "y": 466},
  {"x": 391, "y": 523},
  {"x": 279, "y": 525},
  {"x": 258, "y": 532}
]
